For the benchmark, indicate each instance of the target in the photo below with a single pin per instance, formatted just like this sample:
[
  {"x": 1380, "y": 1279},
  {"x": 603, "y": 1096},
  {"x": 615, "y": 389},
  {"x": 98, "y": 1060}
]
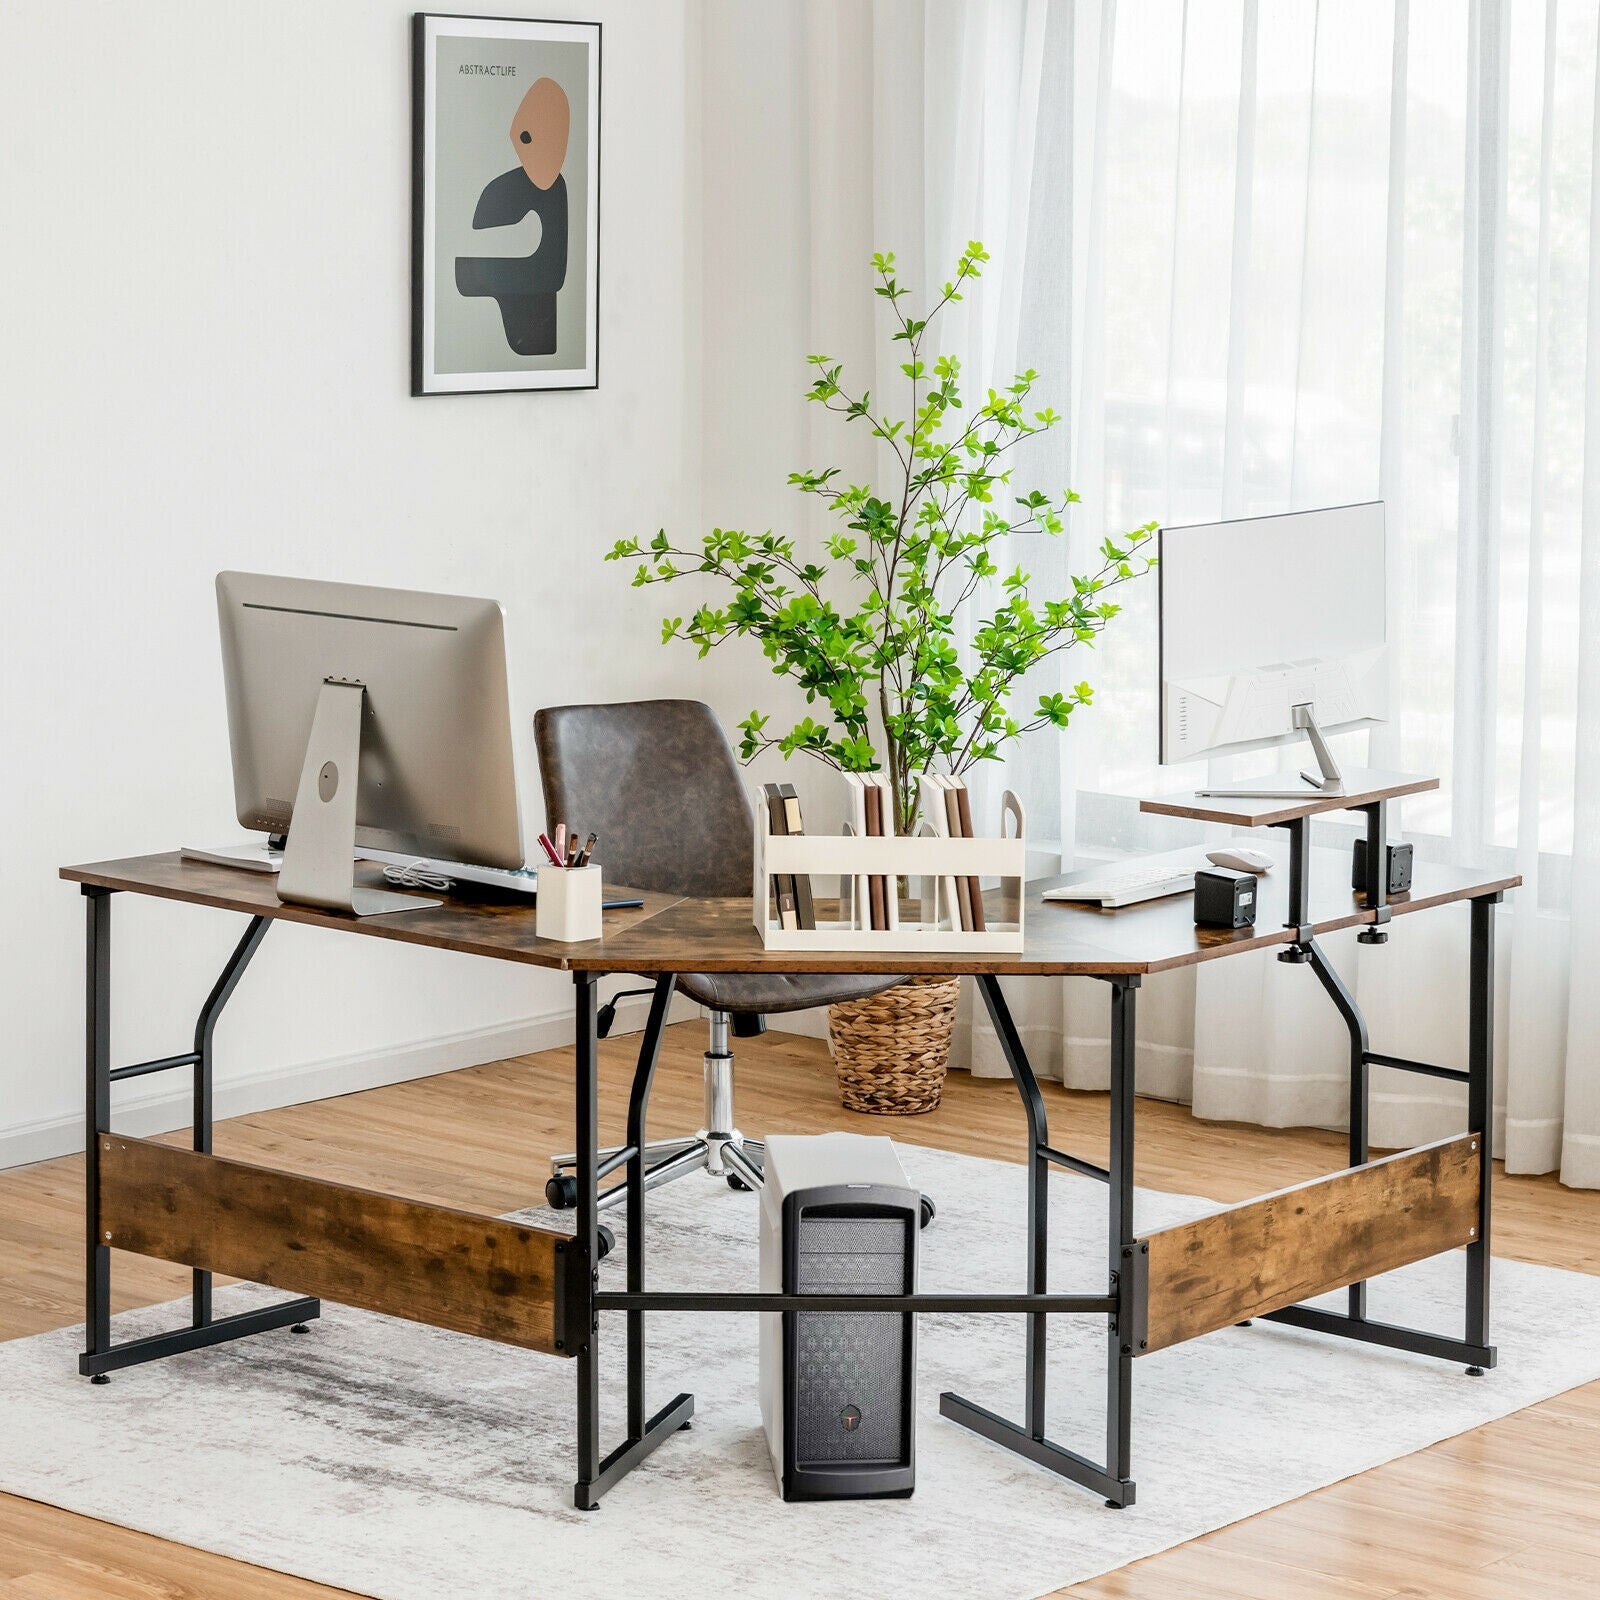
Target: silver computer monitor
[
  {"x": 1273, "y": 629},
  {"x": 403, "y": 692}
]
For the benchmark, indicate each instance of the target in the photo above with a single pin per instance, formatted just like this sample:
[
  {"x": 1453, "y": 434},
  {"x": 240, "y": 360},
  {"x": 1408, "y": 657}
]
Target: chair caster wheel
[
  {"x": 737, "y": 1184},
  {"x": 1474, "y": 1372},
  {"x": 608, "y": 1241},
  {"x": 684, "y": 1427},
  {"x": 101, "y": 1377},
  {"x": 300, "y": 1327},
  {"x": 561, "y": 1193},
  {"x": 927, "y": 1209},
  {"x": 1114, "y": 1505}
]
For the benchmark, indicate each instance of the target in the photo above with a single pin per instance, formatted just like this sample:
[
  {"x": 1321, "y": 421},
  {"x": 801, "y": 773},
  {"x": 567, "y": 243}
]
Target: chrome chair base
[{"x": 718, "y": 1148}]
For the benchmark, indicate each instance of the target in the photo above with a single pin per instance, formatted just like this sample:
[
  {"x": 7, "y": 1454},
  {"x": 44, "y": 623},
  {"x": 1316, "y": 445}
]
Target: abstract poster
[{"x": 505, "y": 205}]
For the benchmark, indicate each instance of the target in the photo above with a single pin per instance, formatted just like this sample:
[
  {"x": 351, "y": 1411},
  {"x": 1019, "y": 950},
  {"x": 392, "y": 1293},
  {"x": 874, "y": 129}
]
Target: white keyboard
[
  {"x": 519, "y": 880},
  {"x": 256, "y": 857},
  {"x": 1126, "y": 883}
]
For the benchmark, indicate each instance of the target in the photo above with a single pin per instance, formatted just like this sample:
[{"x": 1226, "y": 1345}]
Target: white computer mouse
[{"x": 1241, "y": 858}]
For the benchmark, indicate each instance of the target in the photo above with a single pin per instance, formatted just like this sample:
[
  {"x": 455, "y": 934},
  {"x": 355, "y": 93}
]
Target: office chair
[{"x": 658, "y": 782}]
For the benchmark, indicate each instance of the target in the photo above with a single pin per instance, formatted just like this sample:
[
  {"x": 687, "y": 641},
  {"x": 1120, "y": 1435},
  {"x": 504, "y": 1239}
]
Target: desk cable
[{"x": 417, "y": 875}]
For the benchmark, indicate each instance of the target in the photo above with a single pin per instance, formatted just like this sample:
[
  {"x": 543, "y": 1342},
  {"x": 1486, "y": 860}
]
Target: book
[
  {"x": 800, "y": 882},
  {"x": 783, "y": 883},
  {"x": 952, "y": 812},
  {"x": 876, "y": 891},
  {"x": 891, "y": 887},
  {"x": 936, "y": 815},
  {"x": 857, "y": 824},
  {"x": 974, "y": 887}
]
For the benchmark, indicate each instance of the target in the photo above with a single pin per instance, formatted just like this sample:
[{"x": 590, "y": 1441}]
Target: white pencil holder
[{"x": 567, "y": 905}]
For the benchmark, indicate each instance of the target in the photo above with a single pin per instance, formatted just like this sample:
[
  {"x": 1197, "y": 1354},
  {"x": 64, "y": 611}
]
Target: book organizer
[{"x": 863, "y": 889}]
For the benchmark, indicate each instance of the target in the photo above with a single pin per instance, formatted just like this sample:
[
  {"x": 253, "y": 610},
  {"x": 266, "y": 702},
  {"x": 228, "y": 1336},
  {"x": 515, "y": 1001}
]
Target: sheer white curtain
[{"x": 1271, "y": 254}]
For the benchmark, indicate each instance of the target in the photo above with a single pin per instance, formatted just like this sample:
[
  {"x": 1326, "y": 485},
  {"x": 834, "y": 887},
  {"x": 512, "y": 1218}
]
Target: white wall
[{"x": 205, "y": 308}]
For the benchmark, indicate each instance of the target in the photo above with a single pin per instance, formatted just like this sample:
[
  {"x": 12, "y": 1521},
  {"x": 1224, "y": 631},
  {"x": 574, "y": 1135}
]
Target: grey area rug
[{"x": 413, "y": 1464}]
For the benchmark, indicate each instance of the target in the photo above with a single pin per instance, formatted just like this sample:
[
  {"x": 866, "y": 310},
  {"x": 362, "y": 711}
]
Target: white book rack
[{"x": 928, "y": 921}]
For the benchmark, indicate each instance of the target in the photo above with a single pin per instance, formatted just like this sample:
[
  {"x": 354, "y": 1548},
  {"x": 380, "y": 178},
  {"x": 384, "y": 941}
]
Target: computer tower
[{"x": 838, "y": 1387}]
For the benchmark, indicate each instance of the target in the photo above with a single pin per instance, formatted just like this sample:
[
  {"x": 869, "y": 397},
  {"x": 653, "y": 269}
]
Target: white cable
[{"x": 415, "y": 875}]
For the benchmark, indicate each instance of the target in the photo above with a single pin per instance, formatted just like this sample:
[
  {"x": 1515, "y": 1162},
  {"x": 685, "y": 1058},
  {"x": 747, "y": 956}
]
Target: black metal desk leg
[
  {"x": 638, "y": 1108},
  {"x": 204, "y": 1029},
  {"x": 587, "y": 1108},
  {"x": 1355, "y": 1324},
  {"x": 1480, "y": 1112},
  {"x": 1036, "y": 1362},
  {"x": 596, "y": 1474},
  {"x": 1360, "y": 1057},
  {"x": 97, "y": 1119},
  {"x": 1027, "y": 1439},
  {"x": 100, "y": 1357},
  {"x": 1120, "y": 1349}
]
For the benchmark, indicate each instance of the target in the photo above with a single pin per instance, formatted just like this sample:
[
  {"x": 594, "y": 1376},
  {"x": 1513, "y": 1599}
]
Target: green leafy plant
[{"x": 902, "y": 566}]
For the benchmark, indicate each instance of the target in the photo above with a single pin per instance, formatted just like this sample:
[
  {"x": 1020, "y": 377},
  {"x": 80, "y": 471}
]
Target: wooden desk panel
[
  {"x": 496, "y": 926},
  {"x": 679, "y": 935},
  {"x": 1288, "y": 1247},
  {"x": 1062, "y": 938},
  {"x": 433, "y": 1264}
]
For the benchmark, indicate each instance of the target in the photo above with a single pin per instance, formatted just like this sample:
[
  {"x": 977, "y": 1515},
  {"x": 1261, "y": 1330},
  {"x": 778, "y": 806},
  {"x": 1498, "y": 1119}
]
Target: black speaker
[
  {"x": 845, "y": 1392},
  {"x": 1396, "y": 856},
  {"x": 1224, "y": 898}
]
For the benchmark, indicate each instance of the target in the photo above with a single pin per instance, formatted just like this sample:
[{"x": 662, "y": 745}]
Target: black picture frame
[{"x": 503, "y": 322}]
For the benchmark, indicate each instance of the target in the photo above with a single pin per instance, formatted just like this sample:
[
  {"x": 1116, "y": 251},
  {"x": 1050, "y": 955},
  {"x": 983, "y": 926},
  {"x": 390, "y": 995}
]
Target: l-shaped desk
[{"x": 539, "y": 1289}]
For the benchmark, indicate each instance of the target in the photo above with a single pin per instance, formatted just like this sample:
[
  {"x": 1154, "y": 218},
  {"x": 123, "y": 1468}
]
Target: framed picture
[{"x": 505, "y": 219}]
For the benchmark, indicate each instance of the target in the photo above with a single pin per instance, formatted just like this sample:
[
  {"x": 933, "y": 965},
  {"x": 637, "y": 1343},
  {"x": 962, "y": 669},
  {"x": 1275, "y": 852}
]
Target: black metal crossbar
[
  {"x": 944, "y": 1304},
  {"x": 1376, "y": 1058},
  {"x": 142, "y": 1069}
]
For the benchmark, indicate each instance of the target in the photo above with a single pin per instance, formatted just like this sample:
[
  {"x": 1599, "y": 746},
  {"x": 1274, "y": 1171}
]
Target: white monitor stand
[
  {"x": 1327, "y": 780},
  {"x": 319, "y": 854}
]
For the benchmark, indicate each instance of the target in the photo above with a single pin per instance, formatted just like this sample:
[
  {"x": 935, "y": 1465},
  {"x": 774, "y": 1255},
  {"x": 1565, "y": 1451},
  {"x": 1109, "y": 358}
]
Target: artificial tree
[{"x": 904, "y": 569}]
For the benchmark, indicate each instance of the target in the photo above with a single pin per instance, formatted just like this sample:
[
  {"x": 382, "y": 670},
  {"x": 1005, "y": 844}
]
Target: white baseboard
[
  {"x": 811, "y": 1024},
  {"x": 321, "y": 1080}
]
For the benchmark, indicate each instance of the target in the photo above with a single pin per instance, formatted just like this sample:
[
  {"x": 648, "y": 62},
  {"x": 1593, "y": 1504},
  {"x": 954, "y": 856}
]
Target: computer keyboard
[
  {"x": 256, "y": 856},
  {"x": 519, "y": 880},
  {"x": 1126, "y": 883}
]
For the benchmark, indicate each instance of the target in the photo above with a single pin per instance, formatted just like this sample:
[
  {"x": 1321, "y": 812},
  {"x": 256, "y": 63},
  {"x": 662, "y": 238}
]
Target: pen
[
  {"x": 561, "y": 840},
  {"x": 588, "y": 849},
  {"x": 550, "y": 850},
  {"x": 572, "y": 852}
]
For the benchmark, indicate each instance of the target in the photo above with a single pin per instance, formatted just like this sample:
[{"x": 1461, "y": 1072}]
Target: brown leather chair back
[{"x": 658, "y": 781}]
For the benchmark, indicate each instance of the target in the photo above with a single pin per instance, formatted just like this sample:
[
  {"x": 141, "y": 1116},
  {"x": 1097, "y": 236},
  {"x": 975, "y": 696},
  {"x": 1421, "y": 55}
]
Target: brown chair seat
[{"x": 773, "y": 992}]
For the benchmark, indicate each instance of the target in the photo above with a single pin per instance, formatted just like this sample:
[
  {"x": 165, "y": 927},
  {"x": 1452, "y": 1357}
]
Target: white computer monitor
[
  {"x": 378, "y": 717},
  {"x": 1273, "y": 630}
]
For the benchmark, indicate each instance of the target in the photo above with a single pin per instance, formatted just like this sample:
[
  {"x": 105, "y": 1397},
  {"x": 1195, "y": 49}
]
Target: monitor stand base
[
  {"x": 319, "y": 854},
  {"x": 1328, "y": 780}
]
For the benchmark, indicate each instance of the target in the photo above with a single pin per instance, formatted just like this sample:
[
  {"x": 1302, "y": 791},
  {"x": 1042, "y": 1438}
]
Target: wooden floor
[{"x": 1508, "y": 1511}]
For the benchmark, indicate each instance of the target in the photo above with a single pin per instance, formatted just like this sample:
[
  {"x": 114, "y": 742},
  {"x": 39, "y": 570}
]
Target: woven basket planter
[{"x": 891, "y": 1049}]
